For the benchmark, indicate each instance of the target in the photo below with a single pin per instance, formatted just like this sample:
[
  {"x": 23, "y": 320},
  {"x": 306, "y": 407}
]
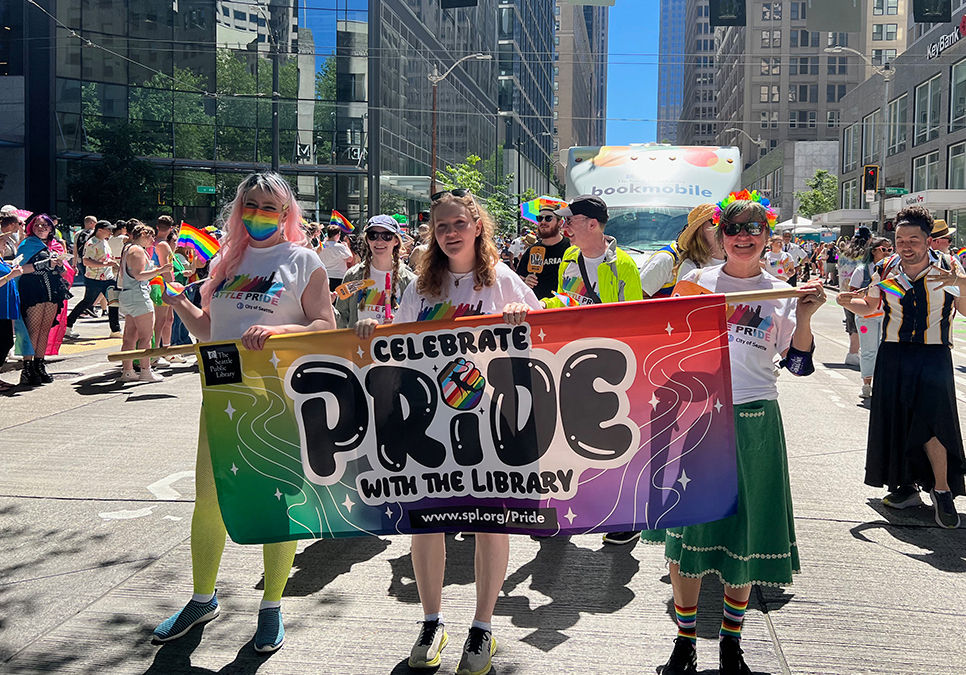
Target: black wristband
[{"x": 798, "y": 362}]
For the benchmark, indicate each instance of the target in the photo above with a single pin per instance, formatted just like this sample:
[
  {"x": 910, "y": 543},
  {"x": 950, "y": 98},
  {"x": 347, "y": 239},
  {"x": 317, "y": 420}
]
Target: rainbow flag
[
  {"x": 173, "y": 289},
  {"x": 340, "y": 220},
  {"x": 892, "y": 287},
  {"x": 565, "y": 299},
  {"x": 531, "y": 209},
  {"x": 960, "y": 252},
  {"x": 203, "y": 243}
]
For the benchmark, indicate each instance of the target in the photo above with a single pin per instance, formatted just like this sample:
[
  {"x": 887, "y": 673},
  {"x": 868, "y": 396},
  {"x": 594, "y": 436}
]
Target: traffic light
[
  {"x": 727, "y": 13},
  {"x": 870, "y": 179},
  {"x": 932, "y": 11},
  {"x": 423, "y": 217}
]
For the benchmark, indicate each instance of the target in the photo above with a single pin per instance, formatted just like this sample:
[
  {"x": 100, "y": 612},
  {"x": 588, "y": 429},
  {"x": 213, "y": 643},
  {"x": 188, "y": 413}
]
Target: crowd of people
[{"x": 457, "y": 267}]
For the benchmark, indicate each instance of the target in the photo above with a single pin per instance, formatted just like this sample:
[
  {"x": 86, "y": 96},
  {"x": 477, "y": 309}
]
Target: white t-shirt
[
  {"x": 265, "y": 290},
  {"x": 372, "y": 304},
  {"x": 658, "y": 268},
  {"x": 591, "y": 264},
  {"x": 517, "y": 247},
  {"x": 758, "y": 332},
  {"x": 795, "y": 251},
  {"x": 464, "y": 300},
  {"x": 336, "y": 257},
  {"x": 780, "y": 265},
  {"x": 117, "y": 245}
]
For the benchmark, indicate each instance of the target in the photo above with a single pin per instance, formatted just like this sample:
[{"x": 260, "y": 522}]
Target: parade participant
[
  {"x": 335, "y": 255},
  {"x": 776, "y": 261},
  {"x": 795, "y": 251},
  {"x": 79, "y": 240},
  {"x": 9, "y": 236},
  {"x": 163, "y": 254},
  {"x": 381, "y": 264},
  {"x": 915, "y": 440},
  {"x": 544, "y": 282},
  {"x": 118, "y": 237},
  {"x": 942, "y": 236},
  {"x": 134, "y": 300},
  {"x": 870, "y": 327},
  {"x": 100, "y": 270},
  {"x": 694, "y": 248},
  {"x": 263, "y": 247},
  {"x": 850, "y": 257},
  {"x": 9, "y": 310},
  {"x": 460, "y": 275},
  {"x": 43, "y": 291},
  {"x": 594, "y": 271},
  {"x": 421, "y": 248},
  {"x": 756, "y": 545}
]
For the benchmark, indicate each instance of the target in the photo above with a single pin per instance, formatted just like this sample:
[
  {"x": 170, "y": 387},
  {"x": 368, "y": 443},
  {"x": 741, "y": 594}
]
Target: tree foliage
[
  {"x": 823, "y": 195},
  {"x": 498, "y": 201}
]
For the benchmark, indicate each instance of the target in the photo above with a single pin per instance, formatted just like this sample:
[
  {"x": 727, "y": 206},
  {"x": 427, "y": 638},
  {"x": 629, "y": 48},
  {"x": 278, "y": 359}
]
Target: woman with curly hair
[{"x": 459, "y": 275}]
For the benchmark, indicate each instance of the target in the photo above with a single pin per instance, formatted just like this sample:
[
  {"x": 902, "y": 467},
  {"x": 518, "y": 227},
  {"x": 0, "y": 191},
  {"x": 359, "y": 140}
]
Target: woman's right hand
[
  {"x": 164, "y": 269},
  {"x": 364, "y": 328}
]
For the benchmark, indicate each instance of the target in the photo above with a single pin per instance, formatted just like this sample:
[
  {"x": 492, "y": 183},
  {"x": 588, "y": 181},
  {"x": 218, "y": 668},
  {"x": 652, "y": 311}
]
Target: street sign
[
  {"x": 869, "y": 196},
  {"x": 206, "y": 189},
  {"x": 896, "y": 192}
]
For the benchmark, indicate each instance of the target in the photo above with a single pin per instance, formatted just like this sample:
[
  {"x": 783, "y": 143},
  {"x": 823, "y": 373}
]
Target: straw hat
[
  {"x": 941, "y": 229},
  {"x": 700, "y": 213}
]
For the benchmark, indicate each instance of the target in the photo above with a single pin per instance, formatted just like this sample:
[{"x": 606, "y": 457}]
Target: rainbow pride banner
[{"x": 592, "y": 419}]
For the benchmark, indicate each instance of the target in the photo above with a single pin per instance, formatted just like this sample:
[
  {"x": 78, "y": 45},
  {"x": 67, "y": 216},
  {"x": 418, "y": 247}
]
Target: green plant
[{"x": 822, "y": 197}]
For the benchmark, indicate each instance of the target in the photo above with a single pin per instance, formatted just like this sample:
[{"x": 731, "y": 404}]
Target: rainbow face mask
[{"x": 260, "y": 224}]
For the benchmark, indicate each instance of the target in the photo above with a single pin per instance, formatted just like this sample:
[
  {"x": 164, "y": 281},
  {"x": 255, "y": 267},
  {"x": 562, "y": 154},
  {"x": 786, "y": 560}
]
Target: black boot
[
  {"x": 42, "y": 374},
  {"x": 684, "y": 658},
  {"x": 28, "y": 375},
  {"x": 729, "y": 657}
]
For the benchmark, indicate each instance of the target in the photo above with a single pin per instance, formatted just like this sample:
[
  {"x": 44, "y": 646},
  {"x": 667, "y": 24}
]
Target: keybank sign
[{"x": 948, "y": 40}]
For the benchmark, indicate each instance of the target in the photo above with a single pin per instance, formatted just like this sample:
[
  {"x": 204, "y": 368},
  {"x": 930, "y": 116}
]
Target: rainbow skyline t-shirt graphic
[
  {"x": 260, "y": 289},
  {"x": 446, "y": 310},
  {"x": 750, "y": 317}
]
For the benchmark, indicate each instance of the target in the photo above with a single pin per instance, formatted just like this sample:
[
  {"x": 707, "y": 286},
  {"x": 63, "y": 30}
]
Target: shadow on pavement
[
  {"x": 174, "y": 658},
  {"x": 941, "y": 548},
  {"x": 325, "y": 560}
]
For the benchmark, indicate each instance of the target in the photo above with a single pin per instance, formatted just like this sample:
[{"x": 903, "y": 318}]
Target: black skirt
[{"x": 914, "y": 399}]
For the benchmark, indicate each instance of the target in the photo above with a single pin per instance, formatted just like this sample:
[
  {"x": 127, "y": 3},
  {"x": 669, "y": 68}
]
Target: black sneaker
[
  {"x": 729, "y": 657},
  {"x": 620, "y": 538},
  {"x": 684, "y": 658},
  {"x": 903, "y": 498},
  {"x": 946, "y": 515}
]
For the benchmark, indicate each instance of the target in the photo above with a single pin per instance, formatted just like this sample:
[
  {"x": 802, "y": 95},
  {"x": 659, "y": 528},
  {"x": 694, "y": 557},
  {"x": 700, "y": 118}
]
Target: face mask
[{"x": 261, "y": 225}]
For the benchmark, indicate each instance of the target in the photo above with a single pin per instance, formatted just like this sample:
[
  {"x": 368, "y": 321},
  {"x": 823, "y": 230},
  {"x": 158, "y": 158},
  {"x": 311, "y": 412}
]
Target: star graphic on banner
[
  {"x": 684, "y": 480},
  {"x": 435, "y": 368},
  {"x": 717, "y": 405},
  {"x": 388, "y": 512},
  {"x": 570, "y": 515},
  {"x": 275, "y": 361},
  {"x": 234, "y": 469},
  {"x": 542, "y": 335},
  {"x": 230, "y": 411},
  {"x": 654, "y": 400},
  {"x": 360, "y": 352},
  {"x": 278, "y": 494},
  {"x": 348, "y": 504},
  {"x": 669, "y": 329}
]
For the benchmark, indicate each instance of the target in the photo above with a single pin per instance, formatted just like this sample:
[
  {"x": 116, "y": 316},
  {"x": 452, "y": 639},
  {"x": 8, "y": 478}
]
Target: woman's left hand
[
  {"x": 254, "y": 338},
  {"x": 811, "y": 296},
  {"x": 515, "y": 313}
]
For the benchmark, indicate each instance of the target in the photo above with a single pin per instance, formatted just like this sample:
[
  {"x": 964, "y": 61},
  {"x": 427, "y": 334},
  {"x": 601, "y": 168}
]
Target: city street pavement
[{"x": 96, "y": 497}]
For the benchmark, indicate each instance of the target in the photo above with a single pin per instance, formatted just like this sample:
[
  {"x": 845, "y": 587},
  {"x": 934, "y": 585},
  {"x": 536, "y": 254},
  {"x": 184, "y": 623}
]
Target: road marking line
[
  {"x": 162, "y": 489},
  {"x": 127, "y": 514}
]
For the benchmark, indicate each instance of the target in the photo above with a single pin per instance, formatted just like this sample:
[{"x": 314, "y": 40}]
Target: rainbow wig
[{"x": 744, "y": 195}]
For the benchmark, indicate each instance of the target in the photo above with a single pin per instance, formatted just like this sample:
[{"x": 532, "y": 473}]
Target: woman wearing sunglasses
[
  {"x": 384, "y": 274},
  {"x": 459, "y": 275},
  {"x": 286, "y": 290},
  {"x": 757, "y": 545},
  {"x": 869, "y": 327}
]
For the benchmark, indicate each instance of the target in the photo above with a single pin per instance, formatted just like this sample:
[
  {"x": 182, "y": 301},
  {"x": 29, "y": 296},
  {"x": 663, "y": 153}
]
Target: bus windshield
[{"x": 646, "y": 228}]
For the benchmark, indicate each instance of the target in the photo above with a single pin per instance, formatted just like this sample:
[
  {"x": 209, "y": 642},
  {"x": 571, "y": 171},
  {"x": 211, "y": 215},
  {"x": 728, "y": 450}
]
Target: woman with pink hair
[{"x": 286, "y": 291}]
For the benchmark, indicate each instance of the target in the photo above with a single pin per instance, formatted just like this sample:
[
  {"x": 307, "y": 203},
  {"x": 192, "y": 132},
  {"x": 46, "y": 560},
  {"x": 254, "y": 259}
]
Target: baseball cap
[
  {"x": 385, "y": 222},
  {"x": 585, "y": 205}
]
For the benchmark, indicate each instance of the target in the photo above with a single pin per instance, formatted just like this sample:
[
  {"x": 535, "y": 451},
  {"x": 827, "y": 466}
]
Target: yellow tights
[{"x": 208, "y": 535}]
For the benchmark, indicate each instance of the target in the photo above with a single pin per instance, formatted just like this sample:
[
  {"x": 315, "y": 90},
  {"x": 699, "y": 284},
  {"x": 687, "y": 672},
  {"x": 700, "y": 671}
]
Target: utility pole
[{"x": 276, "y": 149}]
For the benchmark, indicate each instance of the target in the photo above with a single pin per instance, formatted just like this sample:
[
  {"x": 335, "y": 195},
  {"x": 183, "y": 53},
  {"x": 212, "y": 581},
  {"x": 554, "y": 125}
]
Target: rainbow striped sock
[
  {"x": 687, "y": 622},
  {"x": 734, "y": 614}
]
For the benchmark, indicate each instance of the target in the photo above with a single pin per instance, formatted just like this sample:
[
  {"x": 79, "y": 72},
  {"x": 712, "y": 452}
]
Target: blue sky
[{"x": 632, "y": 80}]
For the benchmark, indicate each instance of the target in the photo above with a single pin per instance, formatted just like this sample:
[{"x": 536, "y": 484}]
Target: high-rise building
[
  {"x": 193, "y": 78},
  {"x": 699, "y": 105},
  {"x": 526, "y": 96},
  {"x": 580, "y": 78},
  {"x": 670, "y": 77}
]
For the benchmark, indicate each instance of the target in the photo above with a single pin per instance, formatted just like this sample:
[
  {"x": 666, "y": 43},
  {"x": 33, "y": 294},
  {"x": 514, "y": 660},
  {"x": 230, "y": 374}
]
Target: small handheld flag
[
  {"x": 892, "y": 287},
  {"x": 565, "y": 299},
  {"x": 198, "y": 240},
  {"x": 340, "y": 220}
]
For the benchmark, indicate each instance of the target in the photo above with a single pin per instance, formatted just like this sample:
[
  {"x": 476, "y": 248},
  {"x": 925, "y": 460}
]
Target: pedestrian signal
[
  {"x": 423, "y": 217},
  {"x": 870, "y": 180},
  {"x": 727, "y": 13},
  {"x": 932, "y": 11}
]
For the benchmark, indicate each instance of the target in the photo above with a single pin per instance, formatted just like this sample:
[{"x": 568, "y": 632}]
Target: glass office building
[{"x": 193, "y": 80}]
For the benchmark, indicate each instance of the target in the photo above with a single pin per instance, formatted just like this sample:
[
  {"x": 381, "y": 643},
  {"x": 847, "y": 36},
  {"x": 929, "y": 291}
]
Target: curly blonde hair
[{"x": 434, "y": 264}]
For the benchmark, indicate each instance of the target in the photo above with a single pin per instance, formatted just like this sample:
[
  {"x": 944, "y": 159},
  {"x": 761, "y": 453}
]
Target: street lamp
[
  {"x": 435, "y": 79},
  {"x": 886, "y": 72},
  {"x": 273, "y": 46},
  {"x": 760, "y": 143}
]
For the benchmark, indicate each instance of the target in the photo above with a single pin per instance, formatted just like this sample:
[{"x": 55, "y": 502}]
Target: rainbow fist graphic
[{"x": 462, "y": 384}]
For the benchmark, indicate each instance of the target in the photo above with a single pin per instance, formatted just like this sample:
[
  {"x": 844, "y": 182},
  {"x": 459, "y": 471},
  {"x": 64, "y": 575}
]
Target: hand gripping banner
[{"x": 598, "y": 419}]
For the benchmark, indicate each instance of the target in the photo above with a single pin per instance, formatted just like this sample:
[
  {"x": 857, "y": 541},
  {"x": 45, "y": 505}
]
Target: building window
[
  {"x": 765, "y": 39},
  {"x": 776, "y": 11},
  {"x": 763, "y": 94},
  {"x": 870, "y": 137},
  {"x": 877, "y": 32},
  {"x": 925, "y": 172},
  {"x": 776, "y": 38},
  {"x": 812, "y": 119},
  {"x": 766, "y": 12},
  {"x": 898, "y": 118},
  {"x": 850, "y": 148},
  {"x": 878, "y": 7},
  {"x": 834, "y": 93},
  {"x": 850, "y": 194},
  {"x": 813, "y": 93},
  {"x": 957, "y": 167},
  {"x": 764, "y": 119},
  {"x": 892, "y": 7},
  {"x": 957, "y": 98},
  {"x": 793, "y": 39},
  {"x": 928, "y": 97}
]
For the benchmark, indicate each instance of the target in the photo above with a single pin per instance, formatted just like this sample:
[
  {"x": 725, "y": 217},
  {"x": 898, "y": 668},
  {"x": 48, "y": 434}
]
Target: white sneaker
[
  {"x": 177, "y": 358},
  {"x": 148, "y": 376},
  {"x": 866, "y": 391},
  {"x": 129, "y": 376},
  {"x": 852, "y": 360},
  {"x": 478, "y": 652},
  {"x": 71, "y": 333},
  {"x": 429, "y": 646},
  {"x": 116, "y": 335},
  {"x": 160, "y": 362}
]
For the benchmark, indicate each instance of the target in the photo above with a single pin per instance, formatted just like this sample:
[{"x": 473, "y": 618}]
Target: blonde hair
[
  {"x": 434, "y": 264},
  {"x": 691, "y": 242}
]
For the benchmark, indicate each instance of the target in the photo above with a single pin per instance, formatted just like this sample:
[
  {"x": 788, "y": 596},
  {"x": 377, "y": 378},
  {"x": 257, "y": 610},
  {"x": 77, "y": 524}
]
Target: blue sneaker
[
  {"x": 181, "y": 622},
  {"x": 270, "y": 633}
]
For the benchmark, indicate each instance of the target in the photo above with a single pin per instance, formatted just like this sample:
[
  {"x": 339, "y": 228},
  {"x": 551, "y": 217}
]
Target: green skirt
[{"x": 756, "y": 545}]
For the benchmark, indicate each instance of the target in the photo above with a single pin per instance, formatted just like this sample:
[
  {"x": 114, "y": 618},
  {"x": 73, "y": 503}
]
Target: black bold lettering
[
  {"x": 464, "y": 438},
  {"x": 584, "y": 410},
  {"x": 466, "y": 342},
  {"x": 486, "y": 342},
  {"x": 519, "y": 338},
  {"x": 447, "y": 344},
  {"x": 379, "y": 351},
  {"x": 396, "y": 348},
  {"x": 401, "y": 433},
  {"x": 516, "y": 444},
  {"x": 429, "y": 346}
]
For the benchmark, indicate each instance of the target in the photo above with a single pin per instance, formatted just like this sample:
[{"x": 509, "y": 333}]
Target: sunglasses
[
  {"x": 373, "y": 235},
  {"x": 887, "y": 249},
  {"x": 457, "y": 192},
  {"x": 733, "y": 229},
  {"x": 545, "y": 219}
]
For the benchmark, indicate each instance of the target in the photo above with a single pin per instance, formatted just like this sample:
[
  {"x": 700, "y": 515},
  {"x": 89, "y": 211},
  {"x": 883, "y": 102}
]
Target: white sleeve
[
  {"x": 857, "y": 276},
  {"x": 656, "y": 272},
  {"x": 518, "y": 291},
  {"x": 409, "y": 305}
]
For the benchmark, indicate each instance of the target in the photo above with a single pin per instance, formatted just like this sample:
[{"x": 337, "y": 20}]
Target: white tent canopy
[{"x": 792, "y": 224}]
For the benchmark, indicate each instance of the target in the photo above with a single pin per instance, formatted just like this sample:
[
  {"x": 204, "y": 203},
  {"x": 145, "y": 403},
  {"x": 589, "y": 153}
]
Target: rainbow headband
[{"x": 744, "y": 195}]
